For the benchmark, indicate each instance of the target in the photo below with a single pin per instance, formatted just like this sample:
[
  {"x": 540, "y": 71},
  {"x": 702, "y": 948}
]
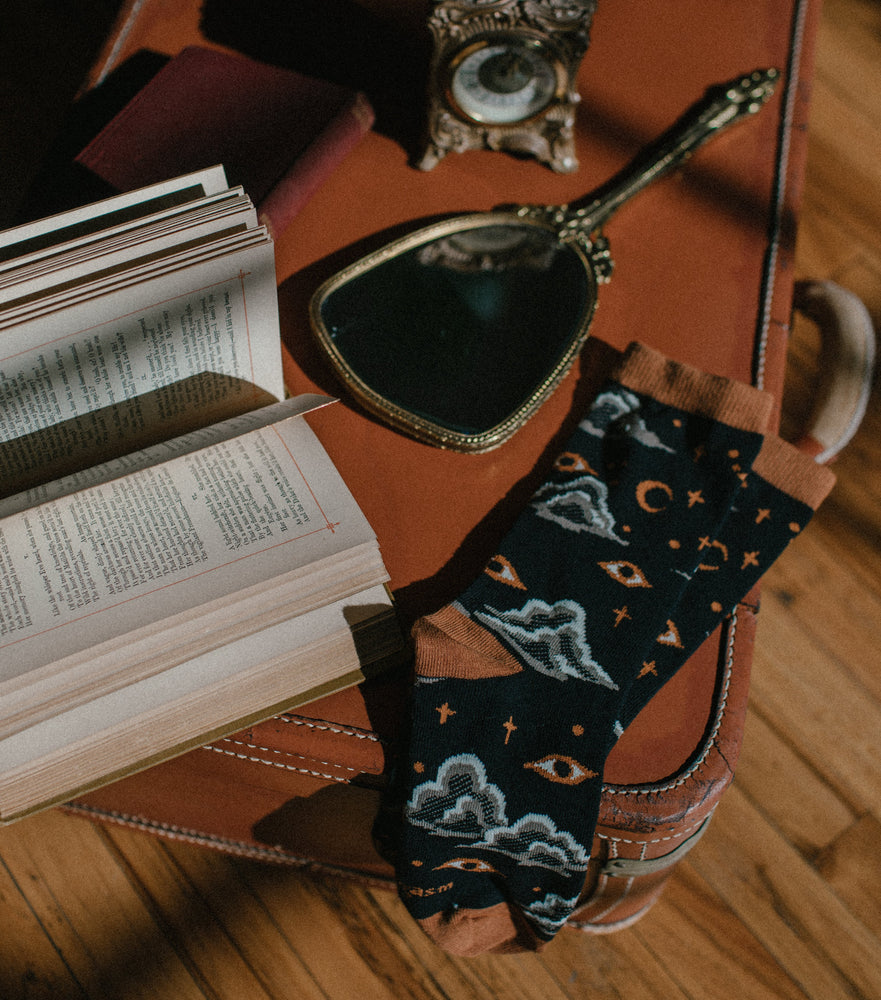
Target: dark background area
[
  {"x": 46, "y": 49},
  {"x": 48, "y": 46}
]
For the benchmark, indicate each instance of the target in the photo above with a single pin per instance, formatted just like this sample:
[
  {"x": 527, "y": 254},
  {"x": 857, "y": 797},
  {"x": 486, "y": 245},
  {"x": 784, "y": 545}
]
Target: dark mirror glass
[{"x": 462, "y": 331}]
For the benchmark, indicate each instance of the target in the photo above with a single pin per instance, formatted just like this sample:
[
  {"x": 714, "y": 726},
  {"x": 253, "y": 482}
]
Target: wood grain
[{"x": 780, "y": 899}]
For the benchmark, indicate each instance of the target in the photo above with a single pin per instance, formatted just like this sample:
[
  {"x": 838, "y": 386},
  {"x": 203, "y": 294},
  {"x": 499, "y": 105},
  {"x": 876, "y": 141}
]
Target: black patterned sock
[
  {"x": 781, "y": 492},
  {"x": 520, "y": 681}
]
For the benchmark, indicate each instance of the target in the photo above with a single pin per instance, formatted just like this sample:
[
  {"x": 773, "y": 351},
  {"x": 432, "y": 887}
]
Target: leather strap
[{"x": 634, "y": 867}]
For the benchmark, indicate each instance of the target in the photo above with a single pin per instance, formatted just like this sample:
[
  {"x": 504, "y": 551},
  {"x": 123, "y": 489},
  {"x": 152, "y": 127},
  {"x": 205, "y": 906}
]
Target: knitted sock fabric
[
  {"x": 523, "y": 681},
  {"x": 780, "y": 494}
]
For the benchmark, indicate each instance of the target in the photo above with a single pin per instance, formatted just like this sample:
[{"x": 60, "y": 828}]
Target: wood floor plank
[
  {"x": 322, "y": 923},
  {"x": 90, "y": 911},
  {"x": 826, "y": 592},
  {"x": 794, "y": 795},
  {"x": 31, "y": 964},
  {"x": 205, "y": 908},
  {"x": 778, "y": 896},
  {"x": 845, "y": 126},
  {"x": 851, "y": 866},
  {"x": 573, "y": 965},
  {"x": 819, "y": 707},
  {"x": 614, "y": 965},
  {"x": 849, "y": 44},
  {"x": 707, "y": 949},
  {"x": 388, "y": 937}
]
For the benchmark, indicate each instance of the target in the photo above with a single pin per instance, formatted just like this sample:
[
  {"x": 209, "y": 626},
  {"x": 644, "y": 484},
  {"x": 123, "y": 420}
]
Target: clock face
[{"x": 502, "y": 79}]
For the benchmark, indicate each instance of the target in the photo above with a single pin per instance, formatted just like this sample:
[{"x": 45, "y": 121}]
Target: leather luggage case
[{"x": 704, "y": 273}]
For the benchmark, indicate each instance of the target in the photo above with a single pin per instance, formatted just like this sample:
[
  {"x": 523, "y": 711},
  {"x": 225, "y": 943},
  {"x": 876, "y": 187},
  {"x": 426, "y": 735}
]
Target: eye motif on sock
[
  {"x": 561, "y": 769},
  {"x": 549, "y": 637},
  {"x": 461, "y": 802},
  {"x": 474, "y": 865},
  {"x": 499, "y": 568},
  {"x": 626, "y": 573},
  {"x": 671, "y": 636}
]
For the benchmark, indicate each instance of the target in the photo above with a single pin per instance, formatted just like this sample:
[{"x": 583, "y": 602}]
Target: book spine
[{"x": 289, "y": 194}]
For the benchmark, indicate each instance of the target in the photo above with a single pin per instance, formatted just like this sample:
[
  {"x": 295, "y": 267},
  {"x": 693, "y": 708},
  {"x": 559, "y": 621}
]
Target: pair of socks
[{"x": 668, "y": 503}]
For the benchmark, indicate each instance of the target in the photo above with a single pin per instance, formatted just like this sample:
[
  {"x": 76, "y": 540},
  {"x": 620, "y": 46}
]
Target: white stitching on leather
[
  {"x": 656, "y": 840},
  {"x": 286, "y": 753},
  {"x": 359, "y": 734},
  {"x": 781, "y": 167},
  {"x": 253, "y": 759}
]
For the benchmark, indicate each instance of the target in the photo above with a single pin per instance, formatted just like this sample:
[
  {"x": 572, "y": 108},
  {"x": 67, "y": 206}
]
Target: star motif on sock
[
  {"x": 445, "y": 712},
  {"x": 649, "y": 668},
  {"x": 763, "y": 514},
  {"x": 509, "y": 728},
  {"x": 750, "y": 559},
  {"x": 620, "y": 615},
  {"x": 694, "y": 496}
]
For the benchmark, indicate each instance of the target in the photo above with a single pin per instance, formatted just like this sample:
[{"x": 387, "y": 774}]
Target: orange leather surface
[{"x": 703, "y": 272}]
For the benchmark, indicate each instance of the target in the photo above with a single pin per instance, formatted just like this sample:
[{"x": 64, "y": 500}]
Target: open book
[{"x": 179, "y": 558}]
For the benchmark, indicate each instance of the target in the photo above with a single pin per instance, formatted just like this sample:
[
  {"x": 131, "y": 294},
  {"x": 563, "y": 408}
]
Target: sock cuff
[
  {"x": 793, "y": 472},
  {"x": 674, "y": 383},
  {"x": 449, "y": 644}
]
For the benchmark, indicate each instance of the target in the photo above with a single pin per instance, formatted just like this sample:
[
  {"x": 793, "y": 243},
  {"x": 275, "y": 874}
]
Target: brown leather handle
[{"x": 847, "y": 364}]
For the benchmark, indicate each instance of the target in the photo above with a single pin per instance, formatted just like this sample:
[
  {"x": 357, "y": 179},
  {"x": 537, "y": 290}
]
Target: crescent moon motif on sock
[{"x": 647, "y": 486}]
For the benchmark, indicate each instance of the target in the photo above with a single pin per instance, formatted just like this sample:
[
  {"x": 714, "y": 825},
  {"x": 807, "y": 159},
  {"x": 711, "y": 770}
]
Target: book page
[
  {"x": 22, "y": 278},
  {"x": 78, "y": 222},
  {"x": 134, "y": 367},
  {"x": 85, "y": 243},
  {"x": 201, "y": 694},
  {"x": 134, "y": 551},
  {"x": 185, "y": 443}
]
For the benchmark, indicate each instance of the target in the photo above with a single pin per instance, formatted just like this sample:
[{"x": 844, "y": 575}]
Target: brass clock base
[
  {"x": 503, "y": 77},
  {"x": 551, "y": 143}
]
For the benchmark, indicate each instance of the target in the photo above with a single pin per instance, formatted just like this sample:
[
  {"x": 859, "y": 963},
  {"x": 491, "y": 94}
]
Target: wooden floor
[{"x": 782, "y": 898}]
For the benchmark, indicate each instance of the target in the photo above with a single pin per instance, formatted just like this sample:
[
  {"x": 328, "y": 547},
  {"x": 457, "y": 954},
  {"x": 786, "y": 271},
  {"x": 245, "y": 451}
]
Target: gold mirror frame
[{"x": 420, "y": 427}]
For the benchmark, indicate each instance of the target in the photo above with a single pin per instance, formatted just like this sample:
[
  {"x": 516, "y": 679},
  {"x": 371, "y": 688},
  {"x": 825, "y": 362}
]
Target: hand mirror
[{"x": 459, "y": 331}]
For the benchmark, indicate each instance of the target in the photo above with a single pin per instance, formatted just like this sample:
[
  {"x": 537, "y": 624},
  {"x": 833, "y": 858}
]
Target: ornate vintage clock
[{"x": 502, "y": 76}]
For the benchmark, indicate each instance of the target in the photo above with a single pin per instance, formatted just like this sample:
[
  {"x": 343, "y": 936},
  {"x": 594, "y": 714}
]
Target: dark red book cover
[{"x": 278, "y": 133}]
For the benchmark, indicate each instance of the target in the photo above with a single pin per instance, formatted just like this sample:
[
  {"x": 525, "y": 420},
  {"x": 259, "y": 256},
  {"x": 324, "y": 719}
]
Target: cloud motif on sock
[
  {"x": 550, "y": 638},
  {"x": 620, "y": 407},
  {"x": 578, "y": 505},
  {"x": 551, "y": 912},
  {"x": 534, "y": 841},
  {"x": 461, "y": 802}
]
